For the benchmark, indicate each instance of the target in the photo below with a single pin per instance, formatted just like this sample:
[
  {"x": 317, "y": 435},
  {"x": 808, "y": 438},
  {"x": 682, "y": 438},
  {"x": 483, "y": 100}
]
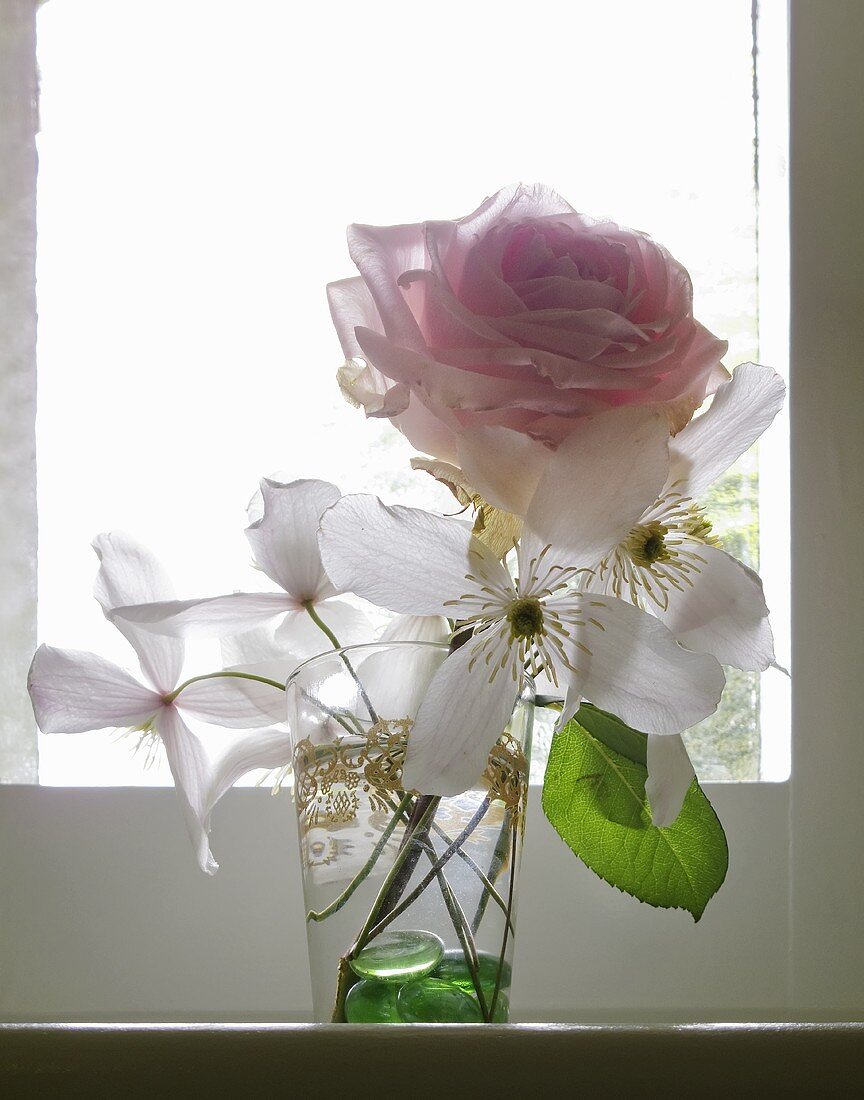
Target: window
[
  {"x": 188, "y": 227},
  {"x": 104, "y": 916}
]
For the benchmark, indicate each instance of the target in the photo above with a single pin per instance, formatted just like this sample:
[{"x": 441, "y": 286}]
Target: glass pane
[{"x": 198, "y": 165}]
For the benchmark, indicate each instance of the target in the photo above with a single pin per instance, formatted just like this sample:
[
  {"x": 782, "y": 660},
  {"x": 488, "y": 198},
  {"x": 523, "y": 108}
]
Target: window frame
[{"x": 19, "y": 112}]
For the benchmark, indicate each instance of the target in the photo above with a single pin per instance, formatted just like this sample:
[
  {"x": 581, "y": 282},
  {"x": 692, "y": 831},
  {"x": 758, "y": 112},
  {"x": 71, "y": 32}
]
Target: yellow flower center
[
  {"x": 660, "y": 554},
  {"x": 525, "y": 616},
  {"x": 646, "y": 543},
  {"x": 698, "y": 526}
]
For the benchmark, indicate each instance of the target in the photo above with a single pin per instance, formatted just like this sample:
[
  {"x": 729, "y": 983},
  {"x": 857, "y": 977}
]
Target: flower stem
[
  {"x": 216, "y": 675},
  {"x": 334, "y": 641},
  {"x": 478, "y": 871},
  {"x": 364, "y": 872},
  {"x": 408, "y": 852},
  {"x": 319, "y": 622},
  {"x": 498, "y": 858},
  {"x": 346, "y": 978},
  {"x": 465, "y": 937},
  {"x": 457, "y": 917},
  {"x": 413, "y": 840},
  {"x": 513, "y": 843},
  {"x": 391, "y": 914}
]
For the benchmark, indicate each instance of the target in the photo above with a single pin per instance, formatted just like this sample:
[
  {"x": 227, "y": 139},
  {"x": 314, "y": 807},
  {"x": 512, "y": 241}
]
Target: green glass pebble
[
  {"x": 402, "y": 956},
  {"x": 372, "y": 1003},
  {"x": 453, "y": 968},
  {"x": 432, "y": 1001}
]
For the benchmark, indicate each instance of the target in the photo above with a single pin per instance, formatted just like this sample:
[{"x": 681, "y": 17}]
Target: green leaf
[
  {"x": 609, "y": 729},
  {"x": 594, "y": 798}
]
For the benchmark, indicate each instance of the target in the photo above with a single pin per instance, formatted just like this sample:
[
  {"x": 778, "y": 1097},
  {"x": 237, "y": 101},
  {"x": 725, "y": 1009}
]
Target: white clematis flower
[
  {"x": 390, "y": 680},
  {"x": 600, "y": 647},
  {"x": 673, "y": 566},
  {"x": 668, "y": 563},
  {"x": 268, "y": 749},
  {"x": 284, "y": 544},
  {"x": 417, "y": 628},
  {"x": 74, "y": 691}
]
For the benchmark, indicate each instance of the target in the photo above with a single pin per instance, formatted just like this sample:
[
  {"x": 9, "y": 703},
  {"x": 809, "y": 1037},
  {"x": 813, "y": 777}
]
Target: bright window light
[{"x": 198, "y": 165}]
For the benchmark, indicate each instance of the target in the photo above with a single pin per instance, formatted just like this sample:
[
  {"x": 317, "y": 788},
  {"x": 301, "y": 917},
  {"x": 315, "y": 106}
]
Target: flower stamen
[
  {"x": 525, "y": 616},
  {"x": 658, "y": 555}
]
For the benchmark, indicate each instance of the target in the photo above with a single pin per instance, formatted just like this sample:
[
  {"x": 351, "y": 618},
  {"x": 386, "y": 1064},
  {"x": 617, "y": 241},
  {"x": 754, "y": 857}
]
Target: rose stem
[
  {"x": 454, "y": 909},
  {"x": 497, "y": 862},
  {"x": 439, "y": 832},
  {"x": 391, "y": 914},
  {"x": 466, "y": 938},
  {"x": 506, "y": 926},
  {"x": 345, "y": 973},
  {"x": 400, "y": 882},
  {"x": 417, "y": 830},
  {"x": 402, "y": 857}
]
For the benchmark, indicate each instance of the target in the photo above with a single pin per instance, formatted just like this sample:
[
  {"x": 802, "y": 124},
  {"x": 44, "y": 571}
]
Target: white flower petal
[
  {"x": 208, "y": 617},
  {"x": 285, "y": 539},
  {"x": 740, "y": 411},
  {"x": 235, "y": 703},
  {"x": 572, "y": 702},
  {"x": 396, "y": 679},
  {"x": 403, "y": 559},
  {"x": 265, "y": 748},
  {"x": 723, "y": 613},
  {"x": 270, "y": 700},
  {"x": 73, "y": 691},
  {"x": 382, "y": 253},
  {"x": 503, "y": 466},
  {"x": 130, "y": 574},
  {"x": 192, "y": 772},
  {"x": 351, "y": 305},
  {"x": 460, "y": 719},
  {"x": 637, "y": 670},
  {"x": 417, "y": 628},
  {"x": 252, "y": 646},
  {"x": 426, "y": 430},
  {"x": 599, "y": 482},
  {"x": 670, "y": 774},
  {"x": 303, "y": 637}
]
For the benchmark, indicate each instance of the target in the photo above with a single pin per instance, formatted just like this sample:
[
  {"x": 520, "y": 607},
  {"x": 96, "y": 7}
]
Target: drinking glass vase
[{"x": 410, "y": 898}]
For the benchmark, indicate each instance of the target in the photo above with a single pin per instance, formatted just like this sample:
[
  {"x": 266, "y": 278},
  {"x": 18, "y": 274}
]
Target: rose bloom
[{"x": 524, "y": 314}]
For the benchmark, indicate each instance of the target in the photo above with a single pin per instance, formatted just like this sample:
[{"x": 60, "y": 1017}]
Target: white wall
[
  {"x": 104, "y": 916},
  {"x": 827, "y": 407}
]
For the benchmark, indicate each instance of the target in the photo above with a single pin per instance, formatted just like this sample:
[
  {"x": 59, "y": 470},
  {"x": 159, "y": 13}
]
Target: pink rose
[{"x": 525, "y": 314}]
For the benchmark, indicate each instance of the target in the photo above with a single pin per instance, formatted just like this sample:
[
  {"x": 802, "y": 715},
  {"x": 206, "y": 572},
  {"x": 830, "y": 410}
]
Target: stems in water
[
  {"x": 393, "y": 913},
  {"x": 513, "y": 843},
  {"x": 499, "y": 857},
  {"x": 336, "y": 905}
]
